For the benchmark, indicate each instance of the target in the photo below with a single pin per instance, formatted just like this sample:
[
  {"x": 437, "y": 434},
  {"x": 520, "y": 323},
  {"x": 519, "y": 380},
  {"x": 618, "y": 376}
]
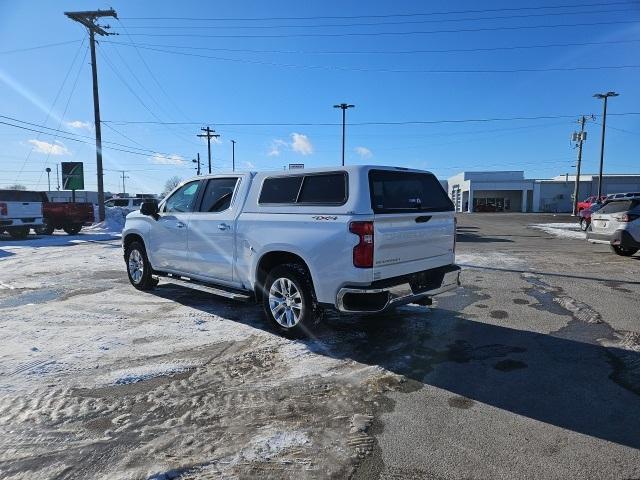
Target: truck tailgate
[
  {"x": 24, "y": 209},
  {"x": 410, "y": 242},
  {"x": 414, "y": 223}
]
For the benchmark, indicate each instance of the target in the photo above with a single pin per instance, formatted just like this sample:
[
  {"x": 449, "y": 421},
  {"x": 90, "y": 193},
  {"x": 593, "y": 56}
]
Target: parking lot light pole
[
  {"x": 48, "y": 170},
  {"x": 603, "y": 96},
  {"x": 344, "y": 107}
]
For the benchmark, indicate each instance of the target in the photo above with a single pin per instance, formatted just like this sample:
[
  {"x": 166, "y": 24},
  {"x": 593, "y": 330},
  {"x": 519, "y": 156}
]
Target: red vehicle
[
  {"x": 67, "y": 216},
  {"x": 586, "y": 203}
]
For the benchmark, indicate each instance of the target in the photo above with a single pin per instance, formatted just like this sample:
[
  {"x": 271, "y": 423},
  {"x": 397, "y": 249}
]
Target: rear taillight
[
  {"x": 363, "y": 251},
  {"x": 3, "y": 209},
  {"x": 627, "y": 217}
]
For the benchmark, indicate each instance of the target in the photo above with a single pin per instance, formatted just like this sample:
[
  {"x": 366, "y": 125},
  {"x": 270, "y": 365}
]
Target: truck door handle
[
  {"x": 180, "y": 225},
  {"x": 223, "y": 226}
]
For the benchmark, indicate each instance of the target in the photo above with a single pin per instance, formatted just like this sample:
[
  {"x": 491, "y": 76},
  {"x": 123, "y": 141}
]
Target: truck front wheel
[
  {"x": 138, "y": 267},
  {"x": 288, "y": 299},
  {"x": 45, "y": 229}
]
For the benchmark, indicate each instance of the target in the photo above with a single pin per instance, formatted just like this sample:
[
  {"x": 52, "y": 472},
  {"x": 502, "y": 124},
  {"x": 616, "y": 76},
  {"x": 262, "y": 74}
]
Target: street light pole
[
  {"x": 233, "y": 155},
  {"x": 603, "y": 96},
  {"x": 48, "y": 170},
  {"x": 343, "y": 107}
]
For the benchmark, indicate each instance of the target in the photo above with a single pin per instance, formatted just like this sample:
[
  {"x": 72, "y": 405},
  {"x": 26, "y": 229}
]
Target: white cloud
[
  {"x": 173, "y": 159},
  {"x": 363, "y": 152},
  {"x": 301, "y": 144},
  {"x": 77, "y": 124},
  {"x": 56, "y": 148},
  {"x": 276, "y": 147},
  {"x": 249, "y": 165}
]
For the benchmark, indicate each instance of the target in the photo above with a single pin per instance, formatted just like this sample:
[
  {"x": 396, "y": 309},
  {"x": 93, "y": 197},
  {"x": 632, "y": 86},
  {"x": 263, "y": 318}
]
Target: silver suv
[{"x": 618, "y": 224}]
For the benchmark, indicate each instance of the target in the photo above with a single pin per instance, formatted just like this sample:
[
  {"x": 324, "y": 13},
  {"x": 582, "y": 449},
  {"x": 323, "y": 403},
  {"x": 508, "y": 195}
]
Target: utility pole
[
  {"x": 603, "y": 96},
  {"x": 48, "y": 170},
  {"x": 124, "y": 189},
  {"x": 88, "y": 19},
  {"x": 57, "y": 178},
  {"x": 579, "y": 138},
  {"x": 344, "y": 107},
  {"x": 209, "y": 135},
  {"x": 233, "y": 155},
  {"x": 198, "y": 163}
]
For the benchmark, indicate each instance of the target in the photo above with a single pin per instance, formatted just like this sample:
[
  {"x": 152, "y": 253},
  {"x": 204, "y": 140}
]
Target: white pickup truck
[
  {"x": 20, "y": 211},
  {"x": 358, "y": 239}
]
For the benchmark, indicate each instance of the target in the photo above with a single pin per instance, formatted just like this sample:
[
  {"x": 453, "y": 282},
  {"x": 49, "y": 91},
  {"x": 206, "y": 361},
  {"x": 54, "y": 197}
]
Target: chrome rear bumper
[{"x": 373, "y": 300}]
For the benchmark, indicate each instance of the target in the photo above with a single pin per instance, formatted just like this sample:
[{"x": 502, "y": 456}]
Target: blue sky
[{"x": 261, "y": 66}]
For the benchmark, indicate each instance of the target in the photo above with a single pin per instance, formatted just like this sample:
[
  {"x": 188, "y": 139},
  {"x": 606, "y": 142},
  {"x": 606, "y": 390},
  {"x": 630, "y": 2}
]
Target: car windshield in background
[
  {"x": 619, "y": 206},
  {"x": 21, "y": 196},
  {"x": 393, "y": 192}
]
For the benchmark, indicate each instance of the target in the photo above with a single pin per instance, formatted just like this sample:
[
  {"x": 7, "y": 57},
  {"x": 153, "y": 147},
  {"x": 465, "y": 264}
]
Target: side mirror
[{"x": 150, "y": 209}]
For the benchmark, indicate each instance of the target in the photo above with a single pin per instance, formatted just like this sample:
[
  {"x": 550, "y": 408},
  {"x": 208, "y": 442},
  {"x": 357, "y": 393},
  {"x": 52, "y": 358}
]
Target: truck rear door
[{"x": 414, "y": 223}]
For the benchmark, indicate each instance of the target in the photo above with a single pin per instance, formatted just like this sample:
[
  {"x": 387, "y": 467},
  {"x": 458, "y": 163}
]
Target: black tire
[
  {"x": 19, "y": 233},
  {"x": 290, "y": 323},
  {"x": 72, "y": 229},
  {"x": 45, "y": 228},
  {"x": 584, "y": 224},
  {"x": 624, "y": 252},
  {"x": 136, "y": 259}
]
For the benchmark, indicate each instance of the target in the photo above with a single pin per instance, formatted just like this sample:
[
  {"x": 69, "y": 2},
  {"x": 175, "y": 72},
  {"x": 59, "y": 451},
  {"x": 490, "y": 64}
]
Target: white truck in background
[
  {"x": 20, "y": 211},
  {"x": 358, "y": 239}
]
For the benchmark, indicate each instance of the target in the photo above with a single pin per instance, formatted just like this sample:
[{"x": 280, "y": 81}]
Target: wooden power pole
[
  {"x": 88, "y": 19},
  {"x": 209, "y": 134},
  {"x": 579, "y": 138}
]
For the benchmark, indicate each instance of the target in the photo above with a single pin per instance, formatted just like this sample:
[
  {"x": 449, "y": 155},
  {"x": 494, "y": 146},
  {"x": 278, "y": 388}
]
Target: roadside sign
[
  {"x": 72, "y": 176},
  {"x": 293, "y": 166}
]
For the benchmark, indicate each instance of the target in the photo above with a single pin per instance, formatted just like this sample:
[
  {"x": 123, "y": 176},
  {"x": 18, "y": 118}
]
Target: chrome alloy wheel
[
  {"x": 285, "y": 302},
  {"x": 136, "y": 266}
]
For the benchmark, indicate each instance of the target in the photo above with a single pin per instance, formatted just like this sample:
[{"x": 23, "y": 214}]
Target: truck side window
[
  {"x": 280, "y": 189},
  {"x": 218, "y": 194},
  {"x": 183, "y": 199},
  {"x": 324, "y": 189}
]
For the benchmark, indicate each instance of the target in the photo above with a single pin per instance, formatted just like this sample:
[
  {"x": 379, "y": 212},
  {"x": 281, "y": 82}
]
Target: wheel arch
[{"x": 269, "y": 260}]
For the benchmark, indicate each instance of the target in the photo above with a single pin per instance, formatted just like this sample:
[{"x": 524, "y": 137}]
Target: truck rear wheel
[
  {"x": 288, "y": 299},
  {"x": 139, "y": 269},
  {"x": 73, "y": 229},
  {"x": 19, "y": 233},
  {"x": 625, "y": 252}
]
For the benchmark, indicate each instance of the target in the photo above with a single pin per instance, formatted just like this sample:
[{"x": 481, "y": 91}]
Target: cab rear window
[
  {"x": 397, "y": 192},
  {"x": 22, "y": 196},
  {"x": 618, "y": 206}
]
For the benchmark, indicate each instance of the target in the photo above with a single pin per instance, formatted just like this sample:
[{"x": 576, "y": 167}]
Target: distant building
[{"x": 509, "y": 191}]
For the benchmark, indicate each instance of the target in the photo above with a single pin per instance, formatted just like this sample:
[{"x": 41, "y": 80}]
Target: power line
[
  {"x": 377, "y": 34},
  {"x": 377, "y": 52},
  {"x": 333, "y": 124},
  {"x": 389, "y": 70},
  {"x": 38, "y": 47},
  {"x": 445, "y": 12},
  {"x": 372, "y": 24}
]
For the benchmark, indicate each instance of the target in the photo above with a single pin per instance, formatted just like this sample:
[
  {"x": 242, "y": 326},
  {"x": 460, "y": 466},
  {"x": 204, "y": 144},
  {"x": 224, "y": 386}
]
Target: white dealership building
[{"x": 510, "y": 191}]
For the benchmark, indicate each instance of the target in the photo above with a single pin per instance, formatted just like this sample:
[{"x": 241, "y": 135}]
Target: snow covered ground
[
  {"x": 98, "y": 379},
  {"x": 564, "y": 230}
]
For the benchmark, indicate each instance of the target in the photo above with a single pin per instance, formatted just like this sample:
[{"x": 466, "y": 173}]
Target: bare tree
[
  {"x": 15, "y": 186},
  {"x": 170, "y": 184}
]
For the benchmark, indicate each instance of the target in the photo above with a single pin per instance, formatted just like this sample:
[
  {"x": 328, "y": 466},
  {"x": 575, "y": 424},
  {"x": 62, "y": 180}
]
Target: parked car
[
  {"x": 20, "y": 211},
  {"x": 618, "y": 224},
  {"x": 357, "y": 239},
  {"x": 129, "y": 202},
  {"x": 587, "y": 202},
  {"x": 68, "y": 216},
  {"x": 585, "y": 215}
]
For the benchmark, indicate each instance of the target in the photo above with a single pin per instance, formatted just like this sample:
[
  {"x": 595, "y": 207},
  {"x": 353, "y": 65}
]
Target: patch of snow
[
  {"x": 565, "y": 230},
  {"x": 269, "y": 445},
  {"x": 114, "y": 218},
  {"x": 131, "y": 375},
  {"x": 488, "y": 259}
]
